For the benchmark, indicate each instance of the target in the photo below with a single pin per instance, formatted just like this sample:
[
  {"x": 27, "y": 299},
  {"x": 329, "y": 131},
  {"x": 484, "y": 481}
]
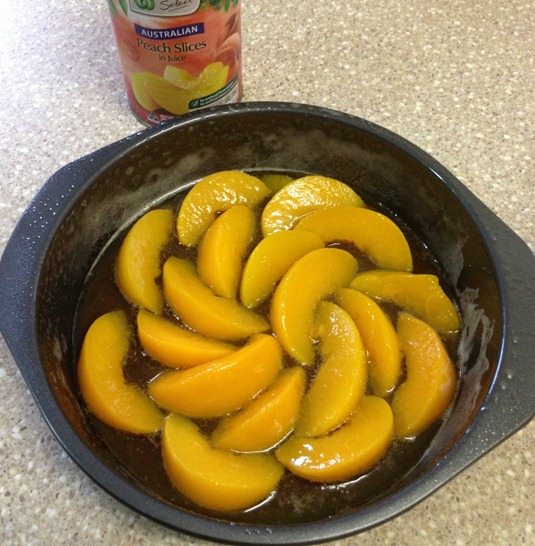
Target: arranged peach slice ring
[
  {"x": 431, "y": 379},
  {"x": 295, "y": 299},
  {"x": 340, "y": 381},
  {"x": 223, "y": 248},
  {"x": 270, "y": 260},
  {"x": 199, "y": 308},
  {"x": 351, "y": 450},
  {"x": 101, "y": 380},
  {"x": 214, "y": 478},
  {"x": 303, "y": 196},
  {"x": 419, "y": 294},
  {"x": 223, "y": 385},
  {"x": 370, "y": 232},
  {"x": 214, "y": 194},
  {"x": 266, "y": 420},
  {"x": 379, "y": 337},
  {"x": 174, "y": 346},
  {"x": 138, "y": 263}
]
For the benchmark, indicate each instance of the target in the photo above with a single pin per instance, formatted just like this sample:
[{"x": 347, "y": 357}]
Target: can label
[{"x": 178, "y": 55}]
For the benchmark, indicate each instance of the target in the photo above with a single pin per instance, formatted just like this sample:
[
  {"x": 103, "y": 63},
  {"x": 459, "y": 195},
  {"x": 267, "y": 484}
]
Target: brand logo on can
[{"x": 164, "y": 8}]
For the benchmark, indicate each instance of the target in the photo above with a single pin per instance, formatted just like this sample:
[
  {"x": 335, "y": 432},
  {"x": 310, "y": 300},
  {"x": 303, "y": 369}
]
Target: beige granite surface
[{"x": 456, "y": 77}]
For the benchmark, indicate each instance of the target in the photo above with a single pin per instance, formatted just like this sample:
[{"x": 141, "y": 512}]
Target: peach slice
[
  {"x": 102, "y": 384},
  {"x": 270, "y": 260},
  {"x": 214, "y": 478},
  {"x": 341, "y": 378},
  {"x": 223, "y": 385},
  {"x": 211, "y": 79},
  {"x": 311, "y": 278},
  {"x": 370, "y": 232},
  {"x": 419, "y": 294},
  {"x": 214, "y": 194},
  {"x": 379, "y": 337},
  {"x": 138, "y": 263},
  {"x": 351, "y": 450},
  {"x": 223, "y": 248},
  {"x": 174, "y": 346},
  {"x": 199, "y": 308},
  {"x": 431, "y": 378},
  {"x": 268, "y": 419},
  {"x": 303, "y": 196},
  {"x": 275, "y": 181},
  {"x": 165, "y": 94},
  {"x": 138, "y": 87}
]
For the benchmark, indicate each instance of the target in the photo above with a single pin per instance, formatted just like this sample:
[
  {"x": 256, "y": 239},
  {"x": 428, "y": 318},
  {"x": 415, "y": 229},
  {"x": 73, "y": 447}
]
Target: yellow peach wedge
[
  {"x": 214, "y": 194},
  {"x": 138, "y": 87},
  {"x": 431, "y": 379},
  {"x": 340, "y": 381},
  {"x": 351, "y": 450},
  {"x": 379, "y": 337},
  {"x": 223, "y": 385},
  {"x": 303, "y": 196},
  {"x": 165, "y": 94},
  {"x": 419, "y": 294},
  {"x": 223, "y": 248},
  {"x": 311, "y": 278},
  {"x": 270, "y": 260},
  {"x": 101, "y": 380},
  {"x": 213, "y": 478},
  {"x": 275, "y": 181},
  {"x": 373, "y": 233},
  {"x": 138, "y": 263},
  {"x": 202, "y": 310},
  {"x": 268, "y": 419},
  {"x": 174, "y": 346}
]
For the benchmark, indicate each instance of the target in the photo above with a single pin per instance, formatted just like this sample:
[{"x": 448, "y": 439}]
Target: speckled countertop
[{"x": 456, "y": 77}]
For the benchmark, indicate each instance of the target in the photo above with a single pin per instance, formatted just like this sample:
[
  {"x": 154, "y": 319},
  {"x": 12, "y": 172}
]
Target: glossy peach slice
[
  {"x": 138, "y": 263},
  {"x": 138, "y": 87},
  {"x": 103, "y": 387},
  {"x": 199, "y": 308},
  {"x": 165, "y": 94},
  {"x": 419, "y": 294},
  {"x": 311, "y": 278},
  {"x": 341, "y": 378},
  {"x": 214, "y": 478},
  {"x": 266, "y": 420},
  {"x": 431, "y": 379},
  {"x": 223, "y": 385},
  {"x": 379, "y": 337},
  {"x": 174, "y": 346},
  {"x": 270, "y": 260},
  {"x": 222, "y": 250},
  {"x": 303, "y": 196},
  {"x": 275, "y": 181},
  {"x": 214, "y": 194},
  {"x": 351, "y": 450},
  {"x": 370, "y": 232}
]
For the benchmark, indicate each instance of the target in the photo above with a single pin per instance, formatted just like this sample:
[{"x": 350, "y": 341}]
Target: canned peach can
[{"x": 178, "y": 56}]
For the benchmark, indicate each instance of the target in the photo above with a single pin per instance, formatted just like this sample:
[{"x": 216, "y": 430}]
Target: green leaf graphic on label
[
  {"x": 219, "y": 4},
  {"x": 113, "y": 9},
  {"x": 147, "y": 5},
  {"x": 124, "y": 6}
]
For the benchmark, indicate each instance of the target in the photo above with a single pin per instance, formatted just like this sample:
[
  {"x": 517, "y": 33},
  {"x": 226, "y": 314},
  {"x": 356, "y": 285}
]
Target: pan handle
[
  {"x": 510, "y": 403},
  {"x": 21, "y": 260}
]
